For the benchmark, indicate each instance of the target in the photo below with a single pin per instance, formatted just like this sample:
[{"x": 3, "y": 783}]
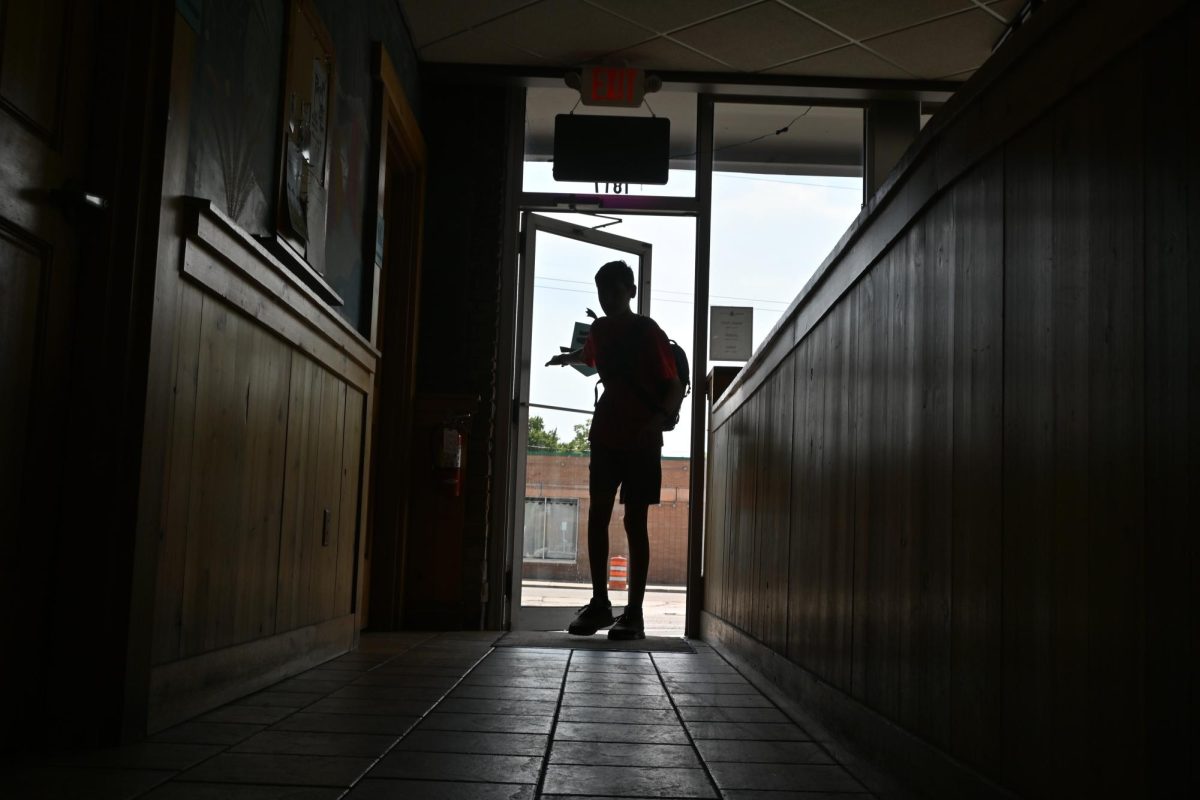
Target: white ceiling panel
[
  {"x": 860, "y": 19},
  {"x": 946, "y": 47},
  {"x": 758, "y": 37},
  {"x": 431, "y": 20},
  {"x": 665, "y": 16},
  {"x": 850, "y": 61},
  {"x": 567, "y": 32},
  {"x": 664, "y": 54},
  {"x": 474, "y": 47}
]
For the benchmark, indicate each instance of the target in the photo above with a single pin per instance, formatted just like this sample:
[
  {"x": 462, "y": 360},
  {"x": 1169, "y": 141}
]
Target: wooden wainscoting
[{"x": 263, "y": 471}]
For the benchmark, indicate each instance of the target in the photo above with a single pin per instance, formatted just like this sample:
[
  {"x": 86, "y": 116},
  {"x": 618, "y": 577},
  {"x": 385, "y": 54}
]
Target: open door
[{"x": 553, "y": 412}]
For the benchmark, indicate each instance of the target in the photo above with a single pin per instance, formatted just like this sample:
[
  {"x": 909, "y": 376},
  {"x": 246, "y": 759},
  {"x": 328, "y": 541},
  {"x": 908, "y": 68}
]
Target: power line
[
  {"x": 662, "y": 291},
  {"x": 681, "y": 302}
]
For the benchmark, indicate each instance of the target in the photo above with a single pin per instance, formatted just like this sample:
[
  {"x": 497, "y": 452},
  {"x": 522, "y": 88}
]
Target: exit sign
[{"x": 612, "y": 86}]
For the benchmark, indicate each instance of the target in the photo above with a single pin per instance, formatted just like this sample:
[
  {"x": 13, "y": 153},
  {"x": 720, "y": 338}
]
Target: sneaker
[
  {"x": 629, "y": 625},
  {"x": 591, "y": 618}
]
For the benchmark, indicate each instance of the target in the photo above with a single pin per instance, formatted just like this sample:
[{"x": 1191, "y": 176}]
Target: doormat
[{"x": 565, "y": 641}]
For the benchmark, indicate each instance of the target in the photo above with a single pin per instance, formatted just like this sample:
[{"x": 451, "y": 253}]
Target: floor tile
[
  {"x": 317, "y": 744},
  {"x": 486, "y": 722},
  {"x": 748, "y": 731},
  {"x": 618, "y": 754},
  {"x": 725, "y": 714},
  {"x": 345, "y": 723},
  {"x": 370, "y": 705},
  {"x": 762, "y": 752},
  {"x": 254, "y": 715},
  {"x": 278, "y": 699},
  {"x": 405, "y": 679},
  {"x": 709, "y": 688},
  {"x": 614, "y": 687},
  {"x": 503, "y": 744},
  {"x": 71, "y": 783},
  {"x": 480, "y": 705},
  {"x": 753, "y": 794},
  {"x": 458, "y": 767},
  {"x": 372, "y": 789},
  {"x": 279, "y": 769},
  {"x": 792, "y": 777},
  {"x": 426, "y": 693},
  {"x": 627, "y": 781},
  {"x": 606, "y": 700},
  {"x": 207, "y": 732},
  {"x": 724, "y": 700},
  {"x": 505, "y": 693},
  {"x": 142, "y": 755},
  {"x": 612, "y": 667},
  {"x": 648, "y": 679},
  {"x": 504, "y": 680},
  {"x": 628, "y": 716},
  {"x": 702, "y": 677},
  {"x": 610, "y": 732},
  {"x": 308, "y": 686},
  {"x": 335, "y": 675},
  {"x": 178, "y": 790}
]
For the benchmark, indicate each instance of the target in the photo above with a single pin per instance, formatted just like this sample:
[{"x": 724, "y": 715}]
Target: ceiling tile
[
  {"x": 860, "y": 19},
  {"x": 1008, "y": 9},
  {"x": 473, "y": 47},
  {"x": 565, "y": 32},
  {"x": 850, "y": 61},
  {"x": 430, "y": 22},
  {"x": 758, "y": 37},
  {"x": 945, "y": 47},
  {"x": 663, "y": 54},
  {"x": 665, "y": 16}
]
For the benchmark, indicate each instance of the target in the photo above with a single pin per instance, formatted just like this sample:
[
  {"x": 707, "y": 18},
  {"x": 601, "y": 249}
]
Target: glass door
[{"x": 559, "y": 259}]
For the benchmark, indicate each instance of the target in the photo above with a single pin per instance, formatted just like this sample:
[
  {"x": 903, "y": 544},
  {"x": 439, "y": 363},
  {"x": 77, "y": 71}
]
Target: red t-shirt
[{"x": 627, "y": 348}]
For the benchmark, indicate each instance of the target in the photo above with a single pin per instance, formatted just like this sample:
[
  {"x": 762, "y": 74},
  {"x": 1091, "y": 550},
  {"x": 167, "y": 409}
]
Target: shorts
[{"x": 637, "y": 472}]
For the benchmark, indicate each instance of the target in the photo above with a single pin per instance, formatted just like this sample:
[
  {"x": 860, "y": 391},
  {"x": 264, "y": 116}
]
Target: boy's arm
[
  {"x": 563, "y": 359},
  {"x": 673, "y": 398}
]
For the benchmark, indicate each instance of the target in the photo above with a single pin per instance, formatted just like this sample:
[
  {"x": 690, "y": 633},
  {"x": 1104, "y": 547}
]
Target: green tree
[
  {"x": 580, "y": 443},
  {"x": 542, "y": 439}
]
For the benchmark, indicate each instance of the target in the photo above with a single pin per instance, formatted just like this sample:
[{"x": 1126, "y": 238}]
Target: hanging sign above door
[{"x": 612, "y": 86}]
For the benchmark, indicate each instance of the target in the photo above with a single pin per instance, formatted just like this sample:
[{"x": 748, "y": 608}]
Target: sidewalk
[{"x": 663, "y": 608}]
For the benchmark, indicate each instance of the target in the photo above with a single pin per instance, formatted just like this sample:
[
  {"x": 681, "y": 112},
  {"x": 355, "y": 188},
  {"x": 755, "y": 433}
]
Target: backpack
[{"x": 682, "y": 371}]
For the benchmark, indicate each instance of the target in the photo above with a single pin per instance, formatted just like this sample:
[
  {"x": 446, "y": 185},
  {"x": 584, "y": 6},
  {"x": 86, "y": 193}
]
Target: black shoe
[
  {"x": 630, "y": 625},
  {"x": 591, "y": 618}
]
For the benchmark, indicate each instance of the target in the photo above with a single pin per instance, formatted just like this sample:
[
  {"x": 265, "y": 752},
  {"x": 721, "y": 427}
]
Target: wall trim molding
[
  {"x": 876, "y": 749},
  {"x": 228, "y": 262},
  {"x": 182, "y": 689}
]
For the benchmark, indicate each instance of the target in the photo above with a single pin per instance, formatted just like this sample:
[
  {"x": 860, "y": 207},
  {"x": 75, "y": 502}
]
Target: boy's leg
[
  {"x": 636, "y": 528},
  {"x": 599, "y": 515}
]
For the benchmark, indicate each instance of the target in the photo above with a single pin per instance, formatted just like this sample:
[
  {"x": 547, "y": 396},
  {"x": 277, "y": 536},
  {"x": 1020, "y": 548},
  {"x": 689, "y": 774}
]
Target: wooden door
[{"x": 43, "y": 76}]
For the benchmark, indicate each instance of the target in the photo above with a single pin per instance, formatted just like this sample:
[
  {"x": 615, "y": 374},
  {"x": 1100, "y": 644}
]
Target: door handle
[{"x": 71, "y": 198}]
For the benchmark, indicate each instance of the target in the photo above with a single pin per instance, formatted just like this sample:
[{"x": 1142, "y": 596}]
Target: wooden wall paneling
[
  {"x": 322, "y": 566},
  {"x": 976, "y": 645},
  {"x": 804, "y": 547},
  {"x": 741, "y": 527},
  {"x": 1072, "y": 441},
  {"x": 773, "y": 505},
  {"x": 263, "y": 377},
  {"x": 1028, "y": 452},
  {"x": 348, "y": 531},
  {"x": 176, "y": 502},
  {"x": 837, "y": 465},
  {"x": 716, "y": 553},
  {"x": 875, "y": 650},
  {"x": 217, "y": 452},
  {"x": 299, "y": 493},
  {"x": 1172, "y": 240},
  {"x": 925, "y": 648},
  {"x": 1116, "y": 501},
  {"x": 1191, "y": 433},
  {"x": 870, "y": 306}
]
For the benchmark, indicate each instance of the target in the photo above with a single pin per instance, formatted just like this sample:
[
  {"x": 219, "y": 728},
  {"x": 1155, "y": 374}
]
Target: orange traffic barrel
[{"x": 618, "y": 572}]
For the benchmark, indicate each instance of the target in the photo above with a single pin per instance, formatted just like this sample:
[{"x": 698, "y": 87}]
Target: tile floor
[{"x": 450, "y": 717}]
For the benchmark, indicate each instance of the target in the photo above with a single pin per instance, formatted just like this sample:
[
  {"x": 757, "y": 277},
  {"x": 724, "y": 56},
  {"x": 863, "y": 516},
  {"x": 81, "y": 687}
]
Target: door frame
[
  {"x": 549, "y": 617},
  {"x": 392, "y": 243}
]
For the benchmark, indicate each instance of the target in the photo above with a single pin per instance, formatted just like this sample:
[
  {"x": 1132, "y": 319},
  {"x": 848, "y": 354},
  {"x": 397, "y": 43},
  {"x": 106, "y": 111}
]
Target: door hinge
[{"x": 508, "y": 584}]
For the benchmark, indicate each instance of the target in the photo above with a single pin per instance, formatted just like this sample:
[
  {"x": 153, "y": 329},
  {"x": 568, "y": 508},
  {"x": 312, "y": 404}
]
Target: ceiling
[{"x": 866, "y": 39}]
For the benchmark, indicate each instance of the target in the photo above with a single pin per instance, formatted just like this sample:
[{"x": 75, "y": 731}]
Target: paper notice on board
[
  {"x": 731, "y": 333},
  {"x": 578, "y": 337}
]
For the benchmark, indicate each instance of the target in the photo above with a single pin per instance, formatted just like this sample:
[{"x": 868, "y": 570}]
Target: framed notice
[
  {"x": 308, "y": 91},
  {"x": 730, "y": 333}
]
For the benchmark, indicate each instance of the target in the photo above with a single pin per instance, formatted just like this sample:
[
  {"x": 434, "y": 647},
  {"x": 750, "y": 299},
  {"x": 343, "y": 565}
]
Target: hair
[{"x": 615, "y": 272}]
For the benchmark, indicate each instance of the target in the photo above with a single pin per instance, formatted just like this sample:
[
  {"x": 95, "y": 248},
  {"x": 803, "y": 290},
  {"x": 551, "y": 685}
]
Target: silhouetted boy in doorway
[{"x": 641, "y": 392}]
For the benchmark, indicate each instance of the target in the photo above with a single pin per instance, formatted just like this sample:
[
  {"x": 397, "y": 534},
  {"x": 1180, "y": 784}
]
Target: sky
[{"x": 769, "y": 234}]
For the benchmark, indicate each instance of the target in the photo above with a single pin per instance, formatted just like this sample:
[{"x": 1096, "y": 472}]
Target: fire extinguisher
[{"x": 450, "y": 456}]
